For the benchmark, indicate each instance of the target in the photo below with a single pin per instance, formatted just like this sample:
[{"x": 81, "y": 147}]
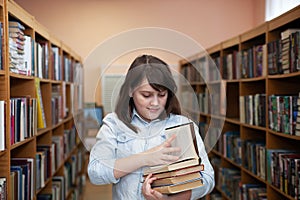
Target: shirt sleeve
[
  {"x": 207, "y": 173},
  {"x": 102, "y": 156}
]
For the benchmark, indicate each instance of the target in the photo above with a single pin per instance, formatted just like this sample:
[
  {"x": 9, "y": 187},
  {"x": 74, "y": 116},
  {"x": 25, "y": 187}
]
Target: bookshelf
[
  {"x": 251, "y": 147},
  {"x": 41, "y": 105}
]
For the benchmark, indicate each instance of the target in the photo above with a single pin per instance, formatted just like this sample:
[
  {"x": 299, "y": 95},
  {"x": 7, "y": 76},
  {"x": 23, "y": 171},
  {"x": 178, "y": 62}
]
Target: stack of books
[{"x": 184, "y": 174}]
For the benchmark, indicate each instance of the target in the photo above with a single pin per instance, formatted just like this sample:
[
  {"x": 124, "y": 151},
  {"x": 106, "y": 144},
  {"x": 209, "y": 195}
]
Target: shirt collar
[{"x": 136, "y": 116}]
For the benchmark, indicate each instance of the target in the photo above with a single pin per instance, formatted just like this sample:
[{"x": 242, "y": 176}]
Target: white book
[
  {"x": 39, "y": 50},
  {"x": 2, "y": 125},
  {"x": 285, "y": 34},
  {"x": 28, "y": 54}
]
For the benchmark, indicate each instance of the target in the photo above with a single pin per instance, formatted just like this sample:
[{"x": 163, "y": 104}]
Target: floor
[{"x": 97, "y": 192}]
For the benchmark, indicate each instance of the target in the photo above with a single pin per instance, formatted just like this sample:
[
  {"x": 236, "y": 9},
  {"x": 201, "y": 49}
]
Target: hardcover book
[
  {"x": 185, "y": 139},
  {"x": 180, "y": 187},
  {"x": 179, "y": 172}
]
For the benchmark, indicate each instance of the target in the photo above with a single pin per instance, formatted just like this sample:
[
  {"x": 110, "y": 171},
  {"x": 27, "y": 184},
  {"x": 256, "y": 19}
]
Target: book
[
  {"x": 44, "y": 197},
  {"x": 176, "y": 179},
  {"x": 185, "y": 139},
  {"x": 41, "y": 119},
  {"x": 179, "y": 172},
  {"x": 2, "y": 125},
  {"x": 180, "y": 187},
  {"x": 27, "y": 165},
  {"x": 3, "y": 188}
]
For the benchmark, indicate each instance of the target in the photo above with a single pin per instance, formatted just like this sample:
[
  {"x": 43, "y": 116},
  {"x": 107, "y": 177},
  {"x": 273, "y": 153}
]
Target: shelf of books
[
  {"x": 256, "y": 147},
  {"x": 41, "y": 155}
]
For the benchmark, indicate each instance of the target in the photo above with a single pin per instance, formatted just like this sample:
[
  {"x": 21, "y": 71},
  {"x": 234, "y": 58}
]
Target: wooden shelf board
[
  {"x": 284, "y": 18},
  {"x": 21, "y": 14},
  {"x": 259, "y": 30},
  {"x": 214, "y": 49},
  {"x": 293, "y": 137},
  {"x": 231, "y": 42},
  {"x": 55, "y": 41},
  {"x": 42, "y": 30},
  {"x": 20, "y": 76},
  {"x": 281, "y": 76}
]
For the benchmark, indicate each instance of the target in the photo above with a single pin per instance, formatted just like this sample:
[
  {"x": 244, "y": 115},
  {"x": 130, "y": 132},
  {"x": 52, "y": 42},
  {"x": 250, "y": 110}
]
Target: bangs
[
  {"x": 159, "y": 78},
  {"x": 158, "y": 87}
]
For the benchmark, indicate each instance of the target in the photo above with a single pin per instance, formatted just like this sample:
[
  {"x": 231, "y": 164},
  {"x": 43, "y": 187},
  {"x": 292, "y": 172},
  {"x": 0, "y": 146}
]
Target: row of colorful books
[
  {"x": 22, "y": 118},
  {"x": 25, "y": 53},
  {"x": 283, "y": 170},
  {"x": 253, "y": 109},
  {"x": 23, "y": 171},
  {"x": 283, "y": 113},
  {"x": 279, "y": 56},
  {"x": 284, "y": 54}
]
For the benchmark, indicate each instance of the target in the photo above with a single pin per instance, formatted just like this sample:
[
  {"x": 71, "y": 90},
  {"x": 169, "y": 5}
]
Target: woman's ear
[{"x": 130, "y": 93}]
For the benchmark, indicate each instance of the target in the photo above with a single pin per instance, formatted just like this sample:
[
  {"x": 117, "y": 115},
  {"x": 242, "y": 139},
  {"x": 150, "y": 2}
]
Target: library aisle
[{"x": 97, "y": 192}]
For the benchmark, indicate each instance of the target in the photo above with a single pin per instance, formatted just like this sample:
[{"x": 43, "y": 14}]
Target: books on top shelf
[
  {"x": 20, "y": 50},
  {"x": 56, "y": 61},
  {"x": 42, "y": 59},
  {"x": 284, "y": 54},
  {"x": 183, "y": 174},
  {"x": 290, "y": 55}
]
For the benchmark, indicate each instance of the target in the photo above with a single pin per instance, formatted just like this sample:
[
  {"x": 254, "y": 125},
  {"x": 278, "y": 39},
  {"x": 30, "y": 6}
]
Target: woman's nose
[{"x": 154, "y": 100}]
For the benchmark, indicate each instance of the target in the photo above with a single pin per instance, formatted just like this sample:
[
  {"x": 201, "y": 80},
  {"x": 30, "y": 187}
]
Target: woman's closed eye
[{"x": 162, "y": 94}]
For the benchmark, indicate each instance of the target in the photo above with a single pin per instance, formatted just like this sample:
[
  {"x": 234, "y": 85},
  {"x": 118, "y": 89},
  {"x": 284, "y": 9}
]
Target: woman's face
[{"x": 149, "y": 102}]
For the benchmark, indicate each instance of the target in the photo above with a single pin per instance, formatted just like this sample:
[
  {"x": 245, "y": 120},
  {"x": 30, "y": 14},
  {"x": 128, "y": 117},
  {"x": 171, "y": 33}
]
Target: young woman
[{"x": 132, "y": 137}]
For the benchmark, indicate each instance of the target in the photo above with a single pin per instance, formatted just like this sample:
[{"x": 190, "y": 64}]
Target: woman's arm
[
  {"x": 155, "y": 156},
  {"x": 105, "y": 168}
]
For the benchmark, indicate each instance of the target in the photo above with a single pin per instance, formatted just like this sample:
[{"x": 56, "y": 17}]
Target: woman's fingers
[{"x": 168, "y": 142}]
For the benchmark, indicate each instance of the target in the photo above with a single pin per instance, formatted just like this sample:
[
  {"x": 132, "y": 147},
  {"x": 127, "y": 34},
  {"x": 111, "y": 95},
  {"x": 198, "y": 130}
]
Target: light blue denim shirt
[{"x": 115, "y": 140}]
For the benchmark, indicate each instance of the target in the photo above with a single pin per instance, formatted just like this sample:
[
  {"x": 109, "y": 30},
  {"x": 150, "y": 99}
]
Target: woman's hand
[
  {"x": 149, "y": 193},
  {"x": 161, "y": 154}
]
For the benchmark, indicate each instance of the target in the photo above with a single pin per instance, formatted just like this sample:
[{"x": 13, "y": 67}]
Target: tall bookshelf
[
  {"x": 255, "y": 130},
  {"x": 37, "y": 65}
]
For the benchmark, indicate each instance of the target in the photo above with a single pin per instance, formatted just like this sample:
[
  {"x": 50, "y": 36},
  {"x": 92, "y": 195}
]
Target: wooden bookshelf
[
  {"x": 248, "y": 124},
  {"x": 18, "y": 81}
]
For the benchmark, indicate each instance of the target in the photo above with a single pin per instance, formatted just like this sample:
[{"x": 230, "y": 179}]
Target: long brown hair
[{"x": 159, "y": 76}]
